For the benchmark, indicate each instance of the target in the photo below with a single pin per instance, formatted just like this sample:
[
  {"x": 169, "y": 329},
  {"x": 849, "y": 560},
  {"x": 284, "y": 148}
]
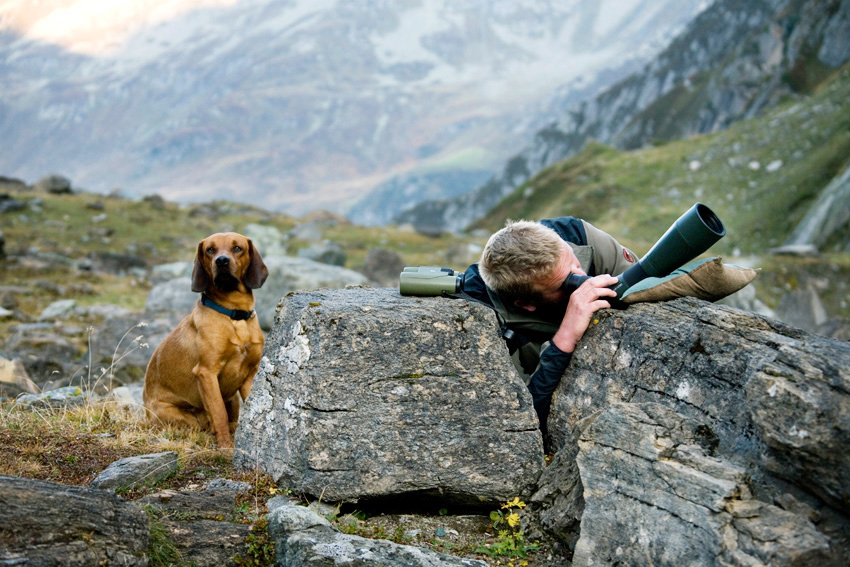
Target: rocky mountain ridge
[{"x": 734, "y": 60}]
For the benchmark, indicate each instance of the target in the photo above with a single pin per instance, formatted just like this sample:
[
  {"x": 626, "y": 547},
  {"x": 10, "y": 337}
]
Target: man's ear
[{"x": 527, "y": 305}]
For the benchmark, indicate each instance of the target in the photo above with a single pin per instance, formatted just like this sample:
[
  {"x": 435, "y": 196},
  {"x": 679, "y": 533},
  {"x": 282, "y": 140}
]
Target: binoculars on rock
[{"x": 692, "y": 234}]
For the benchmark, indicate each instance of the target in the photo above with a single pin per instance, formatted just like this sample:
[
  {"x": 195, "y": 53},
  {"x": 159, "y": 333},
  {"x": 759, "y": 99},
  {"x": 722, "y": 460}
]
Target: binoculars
[
  {"x": 430, "y": 280},
  {"x": 692, "y": 234}
]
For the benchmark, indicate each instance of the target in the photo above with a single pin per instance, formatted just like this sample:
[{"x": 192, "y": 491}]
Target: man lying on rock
[{"x": 524, "y": 266}]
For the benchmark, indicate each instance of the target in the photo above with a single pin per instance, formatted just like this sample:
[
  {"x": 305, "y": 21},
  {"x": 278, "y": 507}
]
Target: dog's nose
[{"x": 222, "y": 261}]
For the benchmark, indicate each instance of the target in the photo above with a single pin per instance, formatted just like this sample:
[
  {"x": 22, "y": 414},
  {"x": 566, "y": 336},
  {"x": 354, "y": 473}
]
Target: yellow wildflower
[{"x": 515, "y": 503}]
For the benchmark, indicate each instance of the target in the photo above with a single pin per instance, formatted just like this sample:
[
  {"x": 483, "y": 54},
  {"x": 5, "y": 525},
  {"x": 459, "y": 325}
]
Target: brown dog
[{"x": 197, "y": 374}]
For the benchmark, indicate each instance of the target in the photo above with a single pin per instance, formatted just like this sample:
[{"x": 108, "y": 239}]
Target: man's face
[{"x": 550, "y": 285}]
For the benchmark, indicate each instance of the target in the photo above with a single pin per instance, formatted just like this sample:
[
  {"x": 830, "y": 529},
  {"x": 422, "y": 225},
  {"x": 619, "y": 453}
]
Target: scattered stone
[
  {"x": 12, "y": 205},
  {"x": 128, "y": 396},
  {"x": 12, "y": 184},
  {"x": 461, "y": 255},
  {"x": 210, "y": 543},
  {"x": 223, "y": 484},
  {"x": 382, "y": 267},
  {"x": 306, "y": 231},
  {"x": 210, "y": 504},
  {"x": 14, "y": 379},
  {"x": 802, "y": 308},
  {"x": 58, "y": 310},
  {"x": 115, "y": 263},
  {"x": 69, "y": 396},
  {"x": 269, "y": 240},
  {"x": 328, "y": 253},
  {"x": 775, "y": 165},
  {"x": 173, "y": 270},
  {"x": 174, "y": 295},
  {"x": 156, "y": 201},
  {"x": 55, "y": 184},
  {"x": 135, "y": 471},
  {"x": 206, "y": 211},
  {"x": 302, "y": 537}
]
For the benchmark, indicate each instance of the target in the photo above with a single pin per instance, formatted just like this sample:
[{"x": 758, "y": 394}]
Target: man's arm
[{"x": 584, "y": 302}]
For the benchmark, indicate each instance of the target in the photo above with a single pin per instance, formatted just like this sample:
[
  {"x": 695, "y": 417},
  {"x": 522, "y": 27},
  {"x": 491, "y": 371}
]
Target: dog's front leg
[{"x": 208, "y": 386}]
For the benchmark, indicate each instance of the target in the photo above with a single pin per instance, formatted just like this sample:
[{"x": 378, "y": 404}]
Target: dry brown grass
[{"x": 73, "y": 445}]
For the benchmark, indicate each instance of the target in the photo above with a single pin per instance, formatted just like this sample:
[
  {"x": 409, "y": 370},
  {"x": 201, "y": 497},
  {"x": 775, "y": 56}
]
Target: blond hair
[{"x": 517, "y": 256}]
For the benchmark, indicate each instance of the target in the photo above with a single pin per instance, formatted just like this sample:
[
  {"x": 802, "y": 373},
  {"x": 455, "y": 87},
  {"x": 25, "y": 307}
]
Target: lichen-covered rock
[
  {"x": 365, "y": 394},
  {"x": 775, "y": 399}
]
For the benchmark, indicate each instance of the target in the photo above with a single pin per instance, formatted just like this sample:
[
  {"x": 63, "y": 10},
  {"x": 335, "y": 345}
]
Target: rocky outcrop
[
  {"x": 649, "y": 473},
  {"x": 829, "y": 214},
  {"x": 85, "y": 526},
  {"x": 745, "y": 409},
  {"x": 365, "y": 395}
]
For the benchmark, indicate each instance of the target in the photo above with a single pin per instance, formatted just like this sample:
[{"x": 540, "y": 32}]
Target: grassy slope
[{"x": 64, "y": 227}]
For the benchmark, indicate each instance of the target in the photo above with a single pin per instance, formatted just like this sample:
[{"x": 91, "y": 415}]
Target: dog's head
[{"x": 226, "y": 260}]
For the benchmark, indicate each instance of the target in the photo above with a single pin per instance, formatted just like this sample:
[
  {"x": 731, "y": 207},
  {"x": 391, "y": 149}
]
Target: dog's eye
[
  {"x": 211, "y": 250},
  {"x": 237, "y": 249}
]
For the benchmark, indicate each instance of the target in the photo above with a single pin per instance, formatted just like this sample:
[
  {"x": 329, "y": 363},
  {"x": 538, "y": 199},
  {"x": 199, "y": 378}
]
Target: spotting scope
[{"x": 692, "y": 234}]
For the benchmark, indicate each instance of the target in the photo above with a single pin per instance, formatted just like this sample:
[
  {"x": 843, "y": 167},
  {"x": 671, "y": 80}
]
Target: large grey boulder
[
  {"x": 302, "y": 537},
  {"x": 756, "y": 411},
  {"x": 776, "y": 398},
  {"x": 647, "y": 472},
  {"x": 363, "y": 394},
  {"x": 49, "y": 524}
]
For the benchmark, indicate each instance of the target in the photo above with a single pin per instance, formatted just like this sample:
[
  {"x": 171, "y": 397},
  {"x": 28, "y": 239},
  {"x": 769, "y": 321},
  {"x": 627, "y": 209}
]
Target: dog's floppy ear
[
  {"x": 256, "y": 274},
  {"x": 200, "y": 278}
]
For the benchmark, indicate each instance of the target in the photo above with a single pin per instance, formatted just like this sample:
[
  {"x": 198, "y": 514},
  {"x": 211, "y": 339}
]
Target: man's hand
[{"x": 584, "y": 302}]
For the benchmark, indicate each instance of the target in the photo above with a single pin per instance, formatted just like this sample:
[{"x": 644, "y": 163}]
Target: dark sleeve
[
  {"x": 473, "y": 285},
  {"x": 569, "y": 229},
  {"x": 553, "y": 363}
]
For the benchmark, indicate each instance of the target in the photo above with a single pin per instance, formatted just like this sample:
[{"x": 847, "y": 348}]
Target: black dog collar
[{"x": 235, "y": 314}]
